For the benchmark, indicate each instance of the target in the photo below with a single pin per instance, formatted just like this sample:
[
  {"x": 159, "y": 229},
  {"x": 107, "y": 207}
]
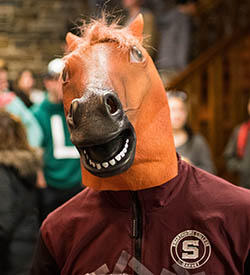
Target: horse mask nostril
[
  {"x": 70, "y": 111},
  {"x": 73, "y": 112},
  {"x": 112, "y": 104}
]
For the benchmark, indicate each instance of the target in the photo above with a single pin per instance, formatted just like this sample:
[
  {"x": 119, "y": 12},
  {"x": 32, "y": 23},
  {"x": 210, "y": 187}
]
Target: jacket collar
[{"x": 152, "y": 198}]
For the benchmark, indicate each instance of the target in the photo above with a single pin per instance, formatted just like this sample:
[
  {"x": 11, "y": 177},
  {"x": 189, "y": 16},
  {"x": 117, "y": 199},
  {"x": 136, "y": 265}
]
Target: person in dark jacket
[
  {"x": 176, "y": 30},
  {"x": 145, "y": 211},
  {"x": 192, "y": 147},
  {"x": 18, "y": 201},
  {"x": 237, "y": 152}
]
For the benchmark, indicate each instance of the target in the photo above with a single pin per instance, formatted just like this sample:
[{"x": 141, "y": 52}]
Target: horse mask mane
[{"x": 116, "y": 109}]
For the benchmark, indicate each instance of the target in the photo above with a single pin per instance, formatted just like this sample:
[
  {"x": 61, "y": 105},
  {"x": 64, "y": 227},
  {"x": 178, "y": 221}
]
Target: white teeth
[
  {"x": 123, "y": 152},
  {"x": 118, "y": 157},
  {"x": 112, "y": 162},
  {"x": 86, "y": 155},
  {"x": 91, "y": 163},
  {"x": 105, "y": 164}
]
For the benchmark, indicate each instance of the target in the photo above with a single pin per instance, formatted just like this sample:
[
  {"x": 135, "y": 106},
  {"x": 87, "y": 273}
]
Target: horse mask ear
[
  {"x": 136, "y": 27},
  {"x": 72, "y": 41}
]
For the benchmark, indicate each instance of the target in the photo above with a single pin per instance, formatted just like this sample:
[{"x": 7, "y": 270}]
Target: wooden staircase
[{"x": 218, "y": 85}]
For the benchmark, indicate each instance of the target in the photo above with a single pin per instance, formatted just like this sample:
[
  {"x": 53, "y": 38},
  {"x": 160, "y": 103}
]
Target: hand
[{"x": 40, "y": 182}]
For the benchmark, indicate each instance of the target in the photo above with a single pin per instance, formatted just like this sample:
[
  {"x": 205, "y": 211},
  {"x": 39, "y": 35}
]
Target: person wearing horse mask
[{"x": 145, "y": 211}]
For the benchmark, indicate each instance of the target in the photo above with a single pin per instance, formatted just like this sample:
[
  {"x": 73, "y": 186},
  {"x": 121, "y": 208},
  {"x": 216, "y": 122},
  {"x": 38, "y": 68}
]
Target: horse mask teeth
[
  {"x": 106, "y": 72},
  {"x": 107, "y": 163}
]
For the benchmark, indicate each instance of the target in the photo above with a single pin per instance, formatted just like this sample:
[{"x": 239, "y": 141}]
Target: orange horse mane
[{"x": 99, "y": 31}]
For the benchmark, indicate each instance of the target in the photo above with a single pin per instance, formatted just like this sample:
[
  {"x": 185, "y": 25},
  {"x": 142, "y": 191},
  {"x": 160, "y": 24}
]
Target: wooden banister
[{"x": 218, "y": 85}]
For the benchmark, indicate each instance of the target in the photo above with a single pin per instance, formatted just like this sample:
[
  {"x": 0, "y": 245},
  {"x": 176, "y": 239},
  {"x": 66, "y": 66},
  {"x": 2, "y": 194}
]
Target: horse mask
[{"x": 116, "y": 109}]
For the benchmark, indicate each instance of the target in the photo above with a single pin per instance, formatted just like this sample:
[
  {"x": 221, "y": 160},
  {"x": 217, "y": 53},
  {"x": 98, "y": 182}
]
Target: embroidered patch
[{"x": 190, "y": 249}]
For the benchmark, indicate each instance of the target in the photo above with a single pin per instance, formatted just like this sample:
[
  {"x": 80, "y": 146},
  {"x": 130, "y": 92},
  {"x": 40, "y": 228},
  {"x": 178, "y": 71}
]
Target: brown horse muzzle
[{"x": 102, "y": 133}]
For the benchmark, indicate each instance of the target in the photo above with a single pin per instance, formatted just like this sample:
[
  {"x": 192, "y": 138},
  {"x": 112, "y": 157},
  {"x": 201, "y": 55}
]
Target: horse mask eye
[
  {"x": 65, "y": 75},
  {"x": 136, "y": 55}
]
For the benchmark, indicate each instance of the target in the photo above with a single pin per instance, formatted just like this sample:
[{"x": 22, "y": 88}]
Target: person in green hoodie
[{"x": 61, "y": 159}]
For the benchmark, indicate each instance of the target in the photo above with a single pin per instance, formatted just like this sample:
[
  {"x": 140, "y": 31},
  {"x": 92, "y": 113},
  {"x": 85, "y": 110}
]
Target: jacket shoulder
[
  {"x": 220, "y": 195},
  {"x": 85, "y": 200},
  {"x": 71, "y": 222},
  {"x": 223, "y": 206}
]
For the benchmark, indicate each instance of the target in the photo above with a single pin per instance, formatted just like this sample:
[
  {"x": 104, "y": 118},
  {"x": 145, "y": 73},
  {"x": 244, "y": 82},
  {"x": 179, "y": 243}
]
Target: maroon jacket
[{"x": 196, "y": 223}]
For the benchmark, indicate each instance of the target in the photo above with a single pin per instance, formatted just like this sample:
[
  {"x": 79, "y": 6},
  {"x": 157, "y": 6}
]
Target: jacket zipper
[{"x": 137, "y": 226}]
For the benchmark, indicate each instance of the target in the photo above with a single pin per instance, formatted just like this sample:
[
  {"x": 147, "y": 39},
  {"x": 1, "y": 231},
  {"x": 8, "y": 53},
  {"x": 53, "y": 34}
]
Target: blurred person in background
[
  {"x": 14, "y": 105},
  {"x": 25, "y": 88},
  {"x": 237, "y": 152},
  {"x": 4, "y": 83},
  {"x": 160, "y": 6},
  {"x": 19, "y": 223},
  {"x": 176, "y": 36},
  {"x": 97, "y": 6},
  {"x": 192, "y": 147},
  {"x": 133, "y": 8},
  {"x": 61, "y": 159}
]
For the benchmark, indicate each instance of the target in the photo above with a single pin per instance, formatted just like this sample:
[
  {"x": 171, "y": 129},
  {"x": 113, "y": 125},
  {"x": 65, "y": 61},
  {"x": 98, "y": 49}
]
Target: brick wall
[{"x": 32, "y": 32}]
